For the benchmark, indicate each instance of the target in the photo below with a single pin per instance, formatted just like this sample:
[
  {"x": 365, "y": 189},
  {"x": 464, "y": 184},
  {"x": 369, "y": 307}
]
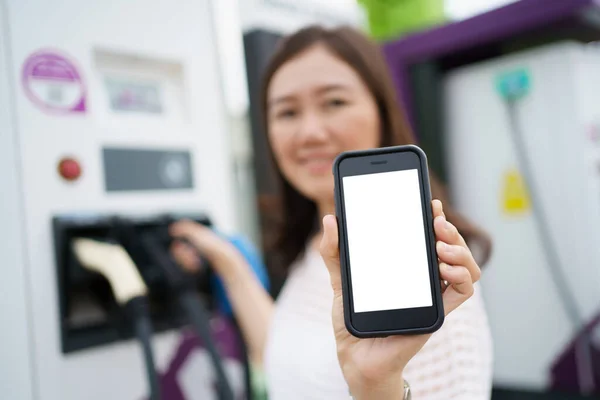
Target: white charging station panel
[
  {"x": 558, "y": 120},
  {"x": 128, "y": 93}
]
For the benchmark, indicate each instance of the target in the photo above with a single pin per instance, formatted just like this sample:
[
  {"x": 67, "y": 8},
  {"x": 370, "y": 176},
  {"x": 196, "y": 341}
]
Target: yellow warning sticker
[{"x": 515, "y": 198}]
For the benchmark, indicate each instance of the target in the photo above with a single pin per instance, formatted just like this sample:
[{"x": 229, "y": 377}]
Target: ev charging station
[
  {"x": 506, "y": 106},
  {"x": 110, "y": 111},
  {"x": 538, "y": 119}
]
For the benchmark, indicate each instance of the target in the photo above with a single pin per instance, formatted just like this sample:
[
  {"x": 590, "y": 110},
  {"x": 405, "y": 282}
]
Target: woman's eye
[
  {"x": 286, "y": 114},
  {"x": 336, "y": 103}
]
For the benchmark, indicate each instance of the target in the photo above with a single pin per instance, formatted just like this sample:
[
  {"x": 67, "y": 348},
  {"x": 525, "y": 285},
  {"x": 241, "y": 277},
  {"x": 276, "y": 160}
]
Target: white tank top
[{"x": 301, "y": 361}]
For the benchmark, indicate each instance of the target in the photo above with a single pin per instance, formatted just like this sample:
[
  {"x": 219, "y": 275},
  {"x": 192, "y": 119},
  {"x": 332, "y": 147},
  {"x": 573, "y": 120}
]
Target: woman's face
[{"x": 318, "y": 106}]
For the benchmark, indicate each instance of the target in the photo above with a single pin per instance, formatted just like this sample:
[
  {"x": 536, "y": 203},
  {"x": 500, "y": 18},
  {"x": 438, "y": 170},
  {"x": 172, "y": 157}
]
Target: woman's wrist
[
  {"x": 390, "y": 390},
  {"x": 232, "y": 268}
]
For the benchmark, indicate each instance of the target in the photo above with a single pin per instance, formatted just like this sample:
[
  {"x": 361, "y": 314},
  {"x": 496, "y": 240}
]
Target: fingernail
[
  {"x": 441, "y": 246},
  {"x": 448, "y": 226},
  {"x": 448, "y": 249}
]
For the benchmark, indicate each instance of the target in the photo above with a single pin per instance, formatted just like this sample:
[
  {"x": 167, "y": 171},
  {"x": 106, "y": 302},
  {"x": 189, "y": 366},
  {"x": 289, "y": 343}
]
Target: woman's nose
[{"x": 312, "y": 128}]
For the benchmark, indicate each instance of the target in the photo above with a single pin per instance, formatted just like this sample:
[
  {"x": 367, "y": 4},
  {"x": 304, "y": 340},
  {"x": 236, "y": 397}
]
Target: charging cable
[
  {"x": 130, "y": 291},
  {"x": 182, "y": 285}
]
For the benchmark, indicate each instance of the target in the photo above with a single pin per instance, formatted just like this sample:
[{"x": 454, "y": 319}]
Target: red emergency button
[{"x": 69, "y": 169}]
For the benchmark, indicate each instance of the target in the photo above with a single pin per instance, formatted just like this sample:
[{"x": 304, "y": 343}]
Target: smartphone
[{"x": 390, "y": 270}]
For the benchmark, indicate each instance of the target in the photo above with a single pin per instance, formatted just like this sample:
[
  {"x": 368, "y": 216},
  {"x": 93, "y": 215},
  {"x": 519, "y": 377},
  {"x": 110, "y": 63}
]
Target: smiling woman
[
  {"x": 324, "y": 92},
  {"x": 318, "y": 108}
]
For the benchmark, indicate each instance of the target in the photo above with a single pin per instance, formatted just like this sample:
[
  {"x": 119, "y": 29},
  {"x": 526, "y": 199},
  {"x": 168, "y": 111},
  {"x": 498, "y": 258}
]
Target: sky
[{"x": 460, "y": 9}]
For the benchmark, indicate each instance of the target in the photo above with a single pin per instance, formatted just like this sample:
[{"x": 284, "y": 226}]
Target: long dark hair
[{"x": 293, "y": 217}]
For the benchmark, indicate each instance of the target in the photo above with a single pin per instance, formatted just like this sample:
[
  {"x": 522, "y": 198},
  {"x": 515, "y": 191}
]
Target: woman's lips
[{"x": 318, "y": 165}]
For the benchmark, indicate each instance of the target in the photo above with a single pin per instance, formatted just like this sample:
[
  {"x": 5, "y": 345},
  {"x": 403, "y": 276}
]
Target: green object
[
  {"x": 259, "y": 383},
  {"x": 389, "y": 19},
  {"x": 514, "y": 85}
]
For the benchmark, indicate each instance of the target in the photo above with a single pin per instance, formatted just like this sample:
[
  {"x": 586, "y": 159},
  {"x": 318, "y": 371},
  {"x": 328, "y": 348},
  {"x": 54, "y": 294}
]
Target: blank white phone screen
[{"x": 386, "y": 241}]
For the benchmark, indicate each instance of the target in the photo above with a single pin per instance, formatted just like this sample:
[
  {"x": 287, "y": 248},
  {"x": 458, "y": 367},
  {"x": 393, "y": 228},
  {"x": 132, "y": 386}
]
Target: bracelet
[{"x": 406, "y": 396}]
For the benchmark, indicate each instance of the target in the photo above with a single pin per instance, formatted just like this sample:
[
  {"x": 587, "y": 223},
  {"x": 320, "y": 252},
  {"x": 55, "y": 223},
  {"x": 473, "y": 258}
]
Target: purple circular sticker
[{"x": 52, "y": 82}]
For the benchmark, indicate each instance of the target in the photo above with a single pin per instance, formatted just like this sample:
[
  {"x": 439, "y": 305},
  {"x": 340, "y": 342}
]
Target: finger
[
  {"x": 185, "y": 256},
  {"x": 460, "y": 286},
  {"x": 199, "y": 236},
  {"x": 330, "y": 251},
  {"x": 181, "y": 228},
  {"x": 458, "y": 255},
  {"x": 437, "y": 208},
  {"x": 447, "y": 232},
  {"x": 184, "y": 253}
]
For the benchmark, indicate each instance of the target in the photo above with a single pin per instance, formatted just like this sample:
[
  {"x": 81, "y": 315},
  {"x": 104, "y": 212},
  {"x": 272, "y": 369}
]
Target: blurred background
[{"x": 148, "y": 110}]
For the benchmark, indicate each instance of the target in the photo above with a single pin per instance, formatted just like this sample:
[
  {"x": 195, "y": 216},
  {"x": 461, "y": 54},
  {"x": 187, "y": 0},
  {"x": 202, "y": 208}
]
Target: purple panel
[
  {"x": 504, "y": 23},
  {"x": 226, "y": 340},
  {"x": 566, "y": 370}
]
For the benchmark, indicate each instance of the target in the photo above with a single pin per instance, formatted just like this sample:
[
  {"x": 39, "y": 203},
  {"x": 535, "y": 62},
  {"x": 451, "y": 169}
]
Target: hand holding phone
[{"x": 382, "y": 257}]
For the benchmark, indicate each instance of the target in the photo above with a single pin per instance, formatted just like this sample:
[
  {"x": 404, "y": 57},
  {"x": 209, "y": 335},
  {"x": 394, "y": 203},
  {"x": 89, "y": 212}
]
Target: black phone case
[{"x": 343, "y": 243}]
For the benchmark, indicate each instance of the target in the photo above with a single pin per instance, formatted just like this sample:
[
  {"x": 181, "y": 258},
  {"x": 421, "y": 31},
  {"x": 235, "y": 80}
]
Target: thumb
[{"x": 330, "y": 252}]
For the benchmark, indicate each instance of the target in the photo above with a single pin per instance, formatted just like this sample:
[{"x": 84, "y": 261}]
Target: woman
[{"x": 327, "y": 91}]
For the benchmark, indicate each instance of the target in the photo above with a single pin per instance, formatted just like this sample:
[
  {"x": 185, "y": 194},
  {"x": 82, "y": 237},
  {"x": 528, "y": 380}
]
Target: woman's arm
[
  {"x": 251, "y": 303},
  {"x": 374, "y": 364}
]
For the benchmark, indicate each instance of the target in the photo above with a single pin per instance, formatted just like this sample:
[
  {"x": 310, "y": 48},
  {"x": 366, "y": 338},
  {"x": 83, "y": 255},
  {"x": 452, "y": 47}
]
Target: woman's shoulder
[
  {"x": 307, "y": 289},
  {"x": 308, "y": 260}
]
